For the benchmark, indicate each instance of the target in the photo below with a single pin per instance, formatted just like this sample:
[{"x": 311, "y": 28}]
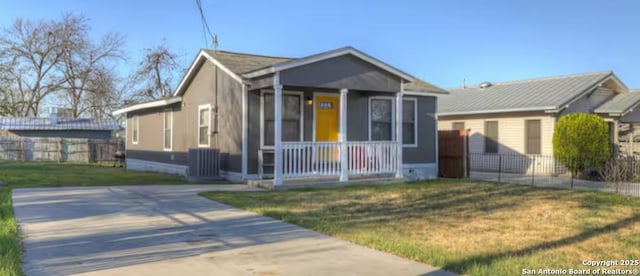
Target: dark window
[
  {"x": 291, "y": 118},
  {"x": 533, "y": 136},
  {"x": 381, "y": 118},
  {"x": 409, "y": 122},
  {"x": 457, "y": 126},
  {"x": 491, "y": 137}
]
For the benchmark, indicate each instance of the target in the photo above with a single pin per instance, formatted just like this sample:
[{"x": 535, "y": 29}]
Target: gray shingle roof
[
  {"x": 240, "y": 63},
  {"x": 525, "y": 95},
  {"x": 13, "y": 123},
  {"x": 621, "y": 103},
  {"x": 419, "y": 85}
]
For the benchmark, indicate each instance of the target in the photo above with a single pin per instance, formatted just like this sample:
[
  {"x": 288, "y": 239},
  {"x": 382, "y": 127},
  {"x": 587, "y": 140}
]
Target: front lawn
[
  {"x": 474, "y": 228},
  {"x": 28, "y": 175}
]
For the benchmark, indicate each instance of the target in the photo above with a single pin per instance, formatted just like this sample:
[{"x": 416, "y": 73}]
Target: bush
[{"x": 581, "y": 141}]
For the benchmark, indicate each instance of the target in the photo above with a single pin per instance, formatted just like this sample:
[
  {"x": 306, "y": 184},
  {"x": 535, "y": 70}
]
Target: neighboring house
[
  {"x": 624, "y": 109},
  {"x": 56, "y": 127},
  {"x": 519, "y": 117},
  {"x": 338, "y": 118}
]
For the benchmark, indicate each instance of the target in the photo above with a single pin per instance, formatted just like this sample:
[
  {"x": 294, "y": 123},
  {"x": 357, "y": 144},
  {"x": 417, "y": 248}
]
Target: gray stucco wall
[
  {"x": 345, "y": 71},
  {"x": 200, "y": 91},
  {"x": 358, "y": 125},
  {"x": 426, "y": 150},
  {"x": 83, "y": 134}
]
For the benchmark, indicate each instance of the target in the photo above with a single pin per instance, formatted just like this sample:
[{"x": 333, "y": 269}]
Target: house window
[
  {"x": 167, "y": 130},
  {"x": 491, "y": 137},
  {"x": 135, "y": 129},
  {"x": 409, "y": 122},
  {"x": 382, "y": 120},
  {"x": 204, "y": 120},
  {"x": 291, "y": 118},
  {"x": 457, "y": 126},
  {"x": 381, "y": 123},
  {"x": 532, "y": 136}
]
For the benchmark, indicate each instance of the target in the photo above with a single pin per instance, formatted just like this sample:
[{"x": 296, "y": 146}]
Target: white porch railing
[{"x": 305, "y": 159}]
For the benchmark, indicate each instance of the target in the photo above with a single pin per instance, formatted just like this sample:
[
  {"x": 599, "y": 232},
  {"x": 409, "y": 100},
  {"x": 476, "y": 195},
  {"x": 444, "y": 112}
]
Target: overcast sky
[{"x": 438, "y": 41}]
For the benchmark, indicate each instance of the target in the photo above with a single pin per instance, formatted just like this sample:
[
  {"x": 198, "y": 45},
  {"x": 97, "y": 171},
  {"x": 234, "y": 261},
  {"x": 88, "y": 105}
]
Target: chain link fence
[{"x": 619, "y": 175}]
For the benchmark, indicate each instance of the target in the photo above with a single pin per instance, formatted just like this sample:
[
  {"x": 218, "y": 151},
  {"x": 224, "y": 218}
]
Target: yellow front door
[
  {"x": 327, "y": 127},
  {"x": 327, "y": 118}
]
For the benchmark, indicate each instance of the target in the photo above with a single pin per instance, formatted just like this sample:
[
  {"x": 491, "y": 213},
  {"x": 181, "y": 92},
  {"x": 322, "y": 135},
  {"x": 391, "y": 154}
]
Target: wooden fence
[
  {"x": 453, "y": 153},
  {"x": 59, "y": 149}
]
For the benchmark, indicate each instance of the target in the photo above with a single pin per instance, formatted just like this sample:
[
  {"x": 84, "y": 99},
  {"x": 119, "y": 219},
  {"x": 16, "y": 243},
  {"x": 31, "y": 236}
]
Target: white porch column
[
  {"x": 399, "y": 173},
  {"x": 277, "y": 142},
  {"x": 244, "y": 131},
  {"x": 342, "y": 137}
]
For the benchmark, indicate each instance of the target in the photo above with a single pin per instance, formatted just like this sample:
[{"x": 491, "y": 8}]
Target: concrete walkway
[{"x": 170, "y": 230}]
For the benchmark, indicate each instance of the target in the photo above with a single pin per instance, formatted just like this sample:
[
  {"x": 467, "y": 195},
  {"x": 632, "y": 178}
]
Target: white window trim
[
  {"x": 164, "y": 117},
  {"x": 136, "y": 126},
  {"x": 200, "y": 108},
  {"x": 262, "y": 132},
  {"x": 393, "y": 118},
  {"x": 415, "y": 123}
]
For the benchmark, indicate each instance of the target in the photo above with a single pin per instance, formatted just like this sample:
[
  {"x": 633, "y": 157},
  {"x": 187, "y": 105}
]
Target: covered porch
[
  {"x": 339, "y": 118},
  {"x": 328, "y": 152}
]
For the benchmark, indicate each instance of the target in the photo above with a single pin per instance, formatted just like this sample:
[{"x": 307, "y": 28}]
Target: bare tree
[
  {"x": 108, "y": 93},
  {"x": 156, "y": 73},
  {"x": 84, "y": 65},
  {"x": 30, "y": 51}
]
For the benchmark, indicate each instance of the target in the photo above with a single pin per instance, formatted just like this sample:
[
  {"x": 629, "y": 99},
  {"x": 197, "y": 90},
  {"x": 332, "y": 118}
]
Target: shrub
[{"x": 581, "y": 141}]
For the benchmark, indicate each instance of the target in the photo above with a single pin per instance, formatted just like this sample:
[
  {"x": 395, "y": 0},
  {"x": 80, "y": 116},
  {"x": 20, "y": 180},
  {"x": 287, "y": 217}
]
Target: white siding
[{"x": 511, "y": 134}]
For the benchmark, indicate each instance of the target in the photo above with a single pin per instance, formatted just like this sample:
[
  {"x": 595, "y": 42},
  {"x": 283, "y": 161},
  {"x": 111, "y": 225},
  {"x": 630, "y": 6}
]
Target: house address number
[{"x": 326, "y": 105}]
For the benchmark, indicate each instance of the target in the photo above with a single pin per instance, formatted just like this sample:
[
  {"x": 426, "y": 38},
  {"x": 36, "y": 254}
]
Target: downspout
[{"x": 215, "y": 112}]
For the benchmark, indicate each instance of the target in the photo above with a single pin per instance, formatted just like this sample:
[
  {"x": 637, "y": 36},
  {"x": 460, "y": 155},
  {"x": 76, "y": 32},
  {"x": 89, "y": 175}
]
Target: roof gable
[
  {"x": 620, "y": 104},
  {"x": 327, "y": 55},
  {"x": 544, "y": 94}
]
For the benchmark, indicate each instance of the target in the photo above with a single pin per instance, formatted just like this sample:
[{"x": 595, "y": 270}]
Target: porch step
[{"x": 332, "y": 182}]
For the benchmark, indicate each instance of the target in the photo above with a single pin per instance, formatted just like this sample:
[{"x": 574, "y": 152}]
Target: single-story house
[
  {"x": 58, "y": 127},
  {"x": 339, "y": 114},
  {"x": 624, "y": 109},
  {"x": 519, "y": 117}
]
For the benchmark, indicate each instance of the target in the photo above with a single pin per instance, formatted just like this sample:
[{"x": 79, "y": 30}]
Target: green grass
[
  {"x": 475, "y": 228},
  {"x": 10, "y": 250},
  {"x": 30, "y": 175}
]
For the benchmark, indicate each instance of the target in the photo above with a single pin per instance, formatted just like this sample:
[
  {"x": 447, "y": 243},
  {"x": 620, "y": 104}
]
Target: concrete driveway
[{"x": 170, "y": 230}]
